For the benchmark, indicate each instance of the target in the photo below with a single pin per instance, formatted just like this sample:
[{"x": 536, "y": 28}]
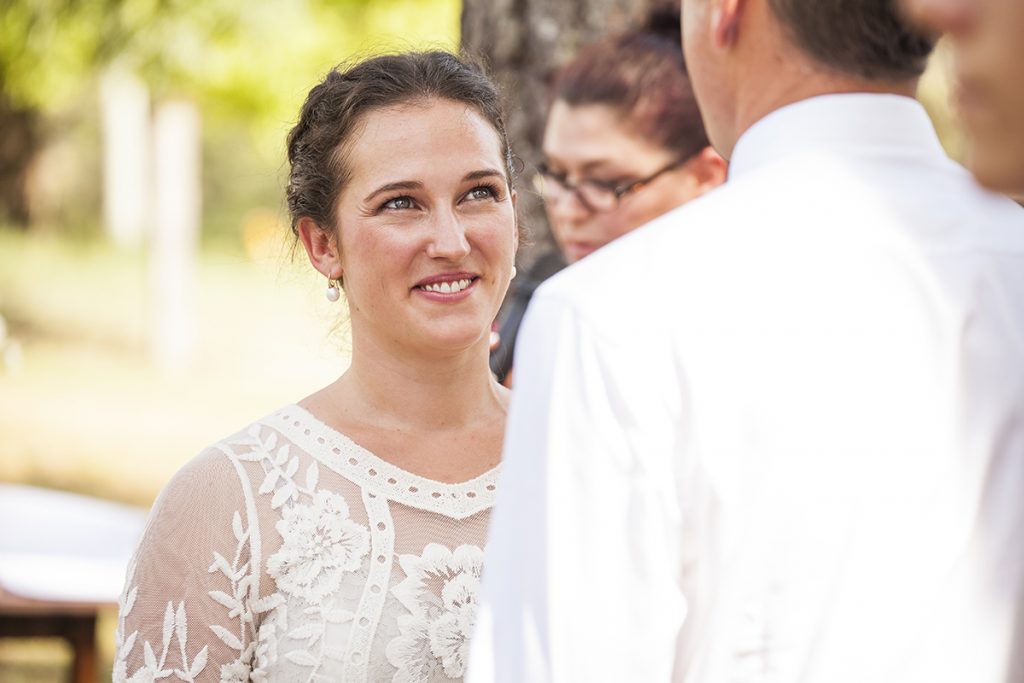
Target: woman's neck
[{"x": 416, "y": 391}]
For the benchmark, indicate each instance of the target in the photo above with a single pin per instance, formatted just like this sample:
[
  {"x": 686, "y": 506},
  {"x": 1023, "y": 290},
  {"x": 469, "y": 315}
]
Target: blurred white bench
[{"x": 62, "y": 559}]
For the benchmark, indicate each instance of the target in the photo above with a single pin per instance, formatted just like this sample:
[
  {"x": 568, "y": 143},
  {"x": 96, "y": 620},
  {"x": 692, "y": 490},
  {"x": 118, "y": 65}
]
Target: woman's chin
[{"x": 452, "y": 340}]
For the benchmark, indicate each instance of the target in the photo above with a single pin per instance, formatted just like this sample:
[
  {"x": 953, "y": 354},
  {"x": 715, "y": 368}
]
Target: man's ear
[
  {"x": 321, "y": 247},
  {"x": 725, "y": 21},
  {"x": 709, "y": 170}
]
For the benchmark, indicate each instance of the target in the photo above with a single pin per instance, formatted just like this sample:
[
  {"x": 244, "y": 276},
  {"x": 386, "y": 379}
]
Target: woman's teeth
[{"x": 448, "y": 287}]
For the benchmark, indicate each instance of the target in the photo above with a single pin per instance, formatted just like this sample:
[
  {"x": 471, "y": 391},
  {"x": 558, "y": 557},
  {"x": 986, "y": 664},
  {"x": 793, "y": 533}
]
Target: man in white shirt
[
  {"x": 988, "y": 39},
  {"x": 777, "y": 434}
]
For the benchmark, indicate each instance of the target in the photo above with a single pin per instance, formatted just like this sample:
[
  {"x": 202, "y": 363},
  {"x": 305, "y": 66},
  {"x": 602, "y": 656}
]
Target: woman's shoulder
[
  {"x": 229, "y": 464},
  {"x": 276, "y": 435}
]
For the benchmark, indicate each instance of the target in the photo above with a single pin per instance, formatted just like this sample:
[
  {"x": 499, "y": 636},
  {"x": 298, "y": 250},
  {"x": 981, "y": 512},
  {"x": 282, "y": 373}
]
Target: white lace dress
[{"x": 289, "y": 553}]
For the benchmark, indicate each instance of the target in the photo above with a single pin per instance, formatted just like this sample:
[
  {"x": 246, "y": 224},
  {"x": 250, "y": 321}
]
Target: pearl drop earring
[
  {"x": 332, "y": 293},
  {"x": 514, "y": 272}
]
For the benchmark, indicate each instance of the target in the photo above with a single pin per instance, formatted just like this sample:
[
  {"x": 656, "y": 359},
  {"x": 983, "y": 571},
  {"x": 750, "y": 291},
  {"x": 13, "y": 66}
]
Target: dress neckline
[{"x": 378, "y": 476}]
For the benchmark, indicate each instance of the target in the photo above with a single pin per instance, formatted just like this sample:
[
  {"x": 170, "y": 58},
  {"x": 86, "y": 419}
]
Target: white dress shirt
[{"x": 778, "y": 433}]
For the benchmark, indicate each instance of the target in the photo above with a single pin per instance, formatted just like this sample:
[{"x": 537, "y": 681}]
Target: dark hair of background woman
[{"x": 641, "y": 75}]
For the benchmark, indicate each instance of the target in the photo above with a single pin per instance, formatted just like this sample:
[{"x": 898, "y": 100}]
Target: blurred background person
[
  {"x": 988, "y": 41},
  {"x": 341, "y": 538},
  {"x": 623, "y": 143}
]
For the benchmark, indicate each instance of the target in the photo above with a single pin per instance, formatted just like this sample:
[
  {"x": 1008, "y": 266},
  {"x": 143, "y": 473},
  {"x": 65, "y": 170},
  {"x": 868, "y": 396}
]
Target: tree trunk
[
  {"x": 524, "y": 42},
  {"x": 18, "y": 145}
]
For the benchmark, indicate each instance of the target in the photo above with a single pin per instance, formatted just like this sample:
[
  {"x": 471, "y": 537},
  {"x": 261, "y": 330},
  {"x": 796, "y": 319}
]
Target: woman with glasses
[{"x": 623, "y": 144}]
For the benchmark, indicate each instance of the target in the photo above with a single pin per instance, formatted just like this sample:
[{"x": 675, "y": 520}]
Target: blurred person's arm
[{"x": 582, "y": 567}]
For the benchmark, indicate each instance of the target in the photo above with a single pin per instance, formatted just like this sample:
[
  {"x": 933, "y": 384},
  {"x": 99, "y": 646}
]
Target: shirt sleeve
[
  {"x": 582, "y": 574},
  {"x": 186, "y": 611}
]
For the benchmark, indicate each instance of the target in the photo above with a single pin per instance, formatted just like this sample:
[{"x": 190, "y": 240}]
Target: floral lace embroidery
[
  {"x": 321, "y": 543},
  {"x": 440, "y": 591}
]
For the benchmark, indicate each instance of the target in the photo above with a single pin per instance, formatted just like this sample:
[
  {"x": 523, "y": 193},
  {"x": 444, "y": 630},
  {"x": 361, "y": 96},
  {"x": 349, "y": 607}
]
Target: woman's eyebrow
[
  {"x": 417, "y": 185},
  {"x": 483, "y": 173},
  {"x": 390, "y": 187},
  {"x": 588, "y": 166}
]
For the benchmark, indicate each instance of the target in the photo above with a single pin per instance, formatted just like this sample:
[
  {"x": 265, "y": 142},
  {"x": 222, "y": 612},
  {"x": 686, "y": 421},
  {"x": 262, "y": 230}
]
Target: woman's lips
[
  {"x": 447, "y": 287},
  {"x": 577, "y": 250}
]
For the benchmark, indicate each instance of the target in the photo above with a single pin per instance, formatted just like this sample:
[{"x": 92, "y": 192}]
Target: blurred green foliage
[
  {"x": 236, "y": 57},
  {"x": 247, "y": 65}
]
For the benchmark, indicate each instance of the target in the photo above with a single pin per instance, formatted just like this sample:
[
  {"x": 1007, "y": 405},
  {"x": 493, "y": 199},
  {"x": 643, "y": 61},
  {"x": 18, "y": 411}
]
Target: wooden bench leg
[
  {"x": 82, "y": 634},
  {"x": 79, "y": 630}
]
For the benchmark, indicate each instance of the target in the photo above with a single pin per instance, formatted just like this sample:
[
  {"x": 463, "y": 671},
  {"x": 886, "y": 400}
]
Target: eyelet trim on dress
[{"x": 362, "y": 467}]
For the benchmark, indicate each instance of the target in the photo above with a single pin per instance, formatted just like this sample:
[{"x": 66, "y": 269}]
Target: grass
[{"x": 89, "y": 410}]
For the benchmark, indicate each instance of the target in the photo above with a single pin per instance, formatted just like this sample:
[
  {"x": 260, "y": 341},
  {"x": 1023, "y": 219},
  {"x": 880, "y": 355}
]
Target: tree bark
[
  {"x": 19, "y": 143},
  {"x": 524, "y": 42}
]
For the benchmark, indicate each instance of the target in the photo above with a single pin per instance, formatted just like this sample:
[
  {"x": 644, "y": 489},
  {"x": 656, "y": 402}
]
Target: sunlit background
[
  {"x": 145, "y": 316},
  {"x": 150, "y": 302}
]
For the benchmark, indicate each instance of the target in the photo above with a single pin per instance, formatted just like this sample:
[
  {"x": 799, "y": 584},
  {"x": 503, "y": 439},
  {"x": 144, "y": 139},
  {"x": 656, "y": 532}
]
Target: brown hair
[
  {"x": 865, "y": 38},
  {"x": 642, "y": 75},
  {"x": 337, "y": 104}
]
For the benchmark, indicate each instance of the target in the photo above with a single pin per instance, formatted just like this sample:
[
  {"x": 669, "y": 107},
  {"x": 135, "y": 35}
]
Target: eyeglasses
[{"x": 596, "y": 195}]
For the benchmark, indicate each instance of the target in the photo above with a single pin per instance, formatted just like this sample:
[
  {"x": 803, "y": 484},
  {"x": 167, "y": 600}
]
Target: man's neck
[{"x": 793, "y": 78}]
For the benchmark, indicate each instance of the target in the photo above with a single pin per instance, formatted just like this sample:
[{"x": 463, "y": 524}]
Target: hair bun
[{"x": 663, "y": 20}]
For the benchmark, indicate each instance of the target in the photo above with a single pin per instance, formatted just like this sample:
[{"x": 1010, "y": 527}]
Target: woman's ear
[
  {"x": 321, "y": 247},
  {"x": 515, "y": 232},
  {"x": 709, "y": 170}
]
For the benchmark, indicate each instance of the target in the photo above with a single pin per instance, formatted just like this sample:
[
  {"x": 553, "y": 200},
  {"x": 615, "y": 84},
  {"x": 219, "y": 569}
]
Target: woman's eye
[
  {"x": 399, "y": 203},
  {"x": 483, "y": 192},
  {"x": 607, "y": 184}
]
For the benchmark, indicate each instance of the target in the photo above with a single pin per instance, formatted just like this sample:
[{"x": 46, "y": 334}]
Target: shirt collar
[{"x": 852, "y": 121}]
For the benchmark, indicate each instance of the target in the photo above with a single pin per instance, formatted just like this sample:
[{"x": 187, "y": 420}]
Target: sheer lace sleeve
[{"x": 189, "y": 609}]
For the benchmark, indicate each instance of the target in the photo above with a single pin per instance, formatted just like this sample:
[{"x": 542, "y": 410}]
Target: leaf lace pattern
[
  {"x": 334, "y": 592},
  {"x": 175, "y": 626}
]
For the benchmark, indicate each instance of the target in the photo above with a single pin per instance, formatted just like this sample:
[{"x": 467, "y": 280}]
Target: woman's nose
[{"x": 448, "y": 238}]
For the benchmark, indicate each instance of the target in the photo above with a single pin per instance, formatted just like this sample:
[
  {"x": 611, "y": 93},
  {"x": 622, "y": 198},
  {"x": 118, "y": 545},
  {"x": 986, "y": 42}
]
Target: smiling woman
[
  {"x": 340, "y": 538},
  {"x": 428, "y": 206}
]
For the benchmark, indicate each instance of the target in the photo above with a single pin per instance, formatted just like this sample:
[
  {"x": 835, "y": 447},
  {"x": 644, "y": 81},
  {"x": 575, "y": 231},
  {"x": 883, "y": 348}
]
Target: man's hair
[{"x": 866, "y": 38}]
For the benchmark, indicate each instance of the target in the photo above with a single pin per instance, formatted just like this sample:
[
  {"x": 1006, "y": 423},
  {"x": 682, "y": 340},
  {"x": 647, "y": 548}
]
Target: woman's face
[
  {"x": 427, "y": 228},
  {"x": 591, "y": 142}
]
